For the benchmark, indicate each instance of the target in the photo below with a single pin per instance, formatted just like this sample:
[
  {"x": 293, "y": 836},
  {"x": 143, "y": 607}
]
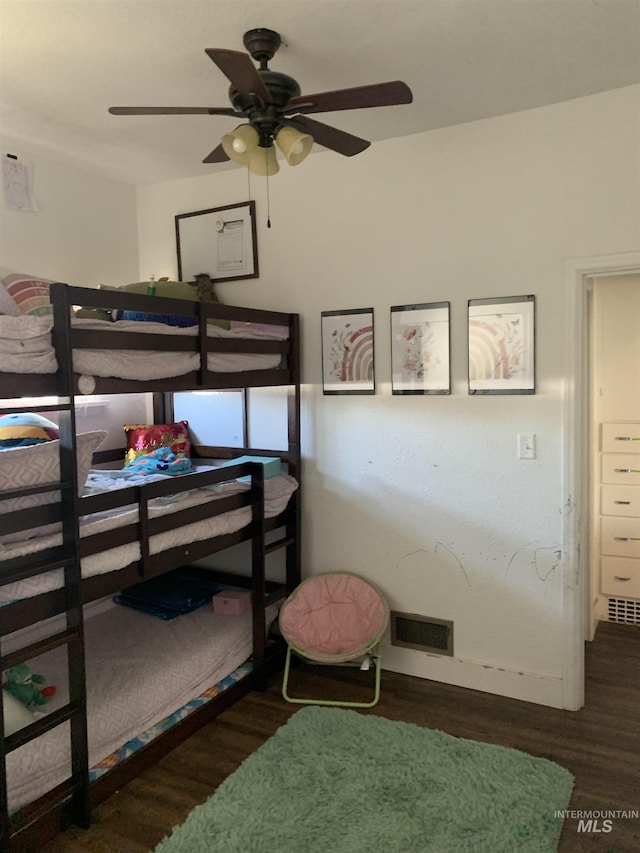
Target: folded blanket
[{"x": 25, "y": 347}]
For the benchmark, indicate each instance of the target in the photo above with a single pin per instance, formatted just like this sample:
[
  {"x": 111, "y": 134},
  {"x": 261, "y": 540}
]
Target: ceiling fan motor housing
[
  {"x": 266, "y": 118},
  {"x": 261, "y": 43},
  {"x": 281, "y": 88}
]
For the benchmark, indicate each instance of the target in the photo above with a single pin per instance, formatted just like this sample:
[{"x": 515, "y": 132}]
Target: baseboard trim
[{"x": 475, "y": 675}]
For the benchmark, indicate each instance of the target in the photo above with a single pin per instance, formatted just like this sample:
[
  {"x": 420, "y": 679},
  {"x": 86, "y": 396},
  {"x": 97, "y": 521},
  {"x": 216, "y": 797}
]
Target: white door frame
[{"x": 575, "y": 486}]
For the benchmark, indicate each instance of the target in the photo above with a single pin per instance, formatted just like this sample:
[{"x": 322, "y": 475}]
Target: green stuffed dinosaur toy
[{"x": 22, "y": 684}]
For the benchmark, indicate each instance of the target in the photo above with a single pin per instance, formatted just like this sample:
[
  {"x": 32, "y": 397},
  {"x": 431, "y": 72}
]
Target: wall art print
[
  {"x": 502, "y": 345},
  {"x": 347, "y": 352},
  {"x": 420, "y": 349}
]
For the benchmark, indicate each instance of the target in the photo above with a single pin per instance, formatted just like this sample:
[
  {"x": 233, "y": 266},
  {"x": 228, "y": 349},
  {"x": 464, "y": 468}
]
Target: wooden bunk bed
[{"x": 277, "y": 364}]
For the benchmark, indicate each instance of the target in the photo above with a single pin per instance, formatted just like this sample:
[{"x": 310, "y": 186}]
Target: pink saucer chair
[{"x": 335, "y": 619}]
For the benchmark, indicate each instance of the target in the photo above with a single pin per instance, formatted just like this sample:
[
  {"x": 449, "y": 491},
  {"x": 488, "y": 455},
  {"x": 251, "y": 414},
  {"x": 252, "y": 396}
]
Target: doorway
[
  {"x": 614, "y": 438},
  {"x": 577, "y": 452}
]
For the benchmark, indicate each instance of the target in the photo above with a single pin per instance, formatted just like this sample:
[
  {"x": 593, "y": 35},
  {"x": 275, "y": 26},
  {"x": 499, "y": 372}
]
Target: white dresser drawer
[
  {"x": 620, "y": 577},
  {"x": 620, "y": 500},
  {"x": 620, "y": 468},
  {"x": 620, "y": 437},
  {"x": 620, "y": 537}
]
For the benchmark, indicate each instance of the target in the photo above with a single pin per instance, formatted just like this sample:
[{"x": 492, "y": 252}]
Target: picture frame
[
  {"x": 421, "y": 348},
  {"x": 348, "y": 365},
  {"x": 219, "y": 241},
  {"x": 502, "y": 345}
]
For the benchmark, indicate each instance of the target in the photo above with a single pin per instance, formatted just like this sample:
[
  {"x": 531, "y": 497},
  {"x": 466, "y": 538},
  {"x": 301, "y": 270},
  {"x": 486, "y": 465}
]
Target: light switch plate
[{"x": 526, "y": 446}]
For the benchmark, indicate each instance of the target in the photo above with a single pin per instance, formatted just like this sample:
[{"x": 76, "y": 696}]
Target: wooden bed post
[
  {"x": 294, "y": 528},
  {"x": 162, "y": 408},
  {"x": 62, "y": 309},
  {"x": 258, "y": 579}
]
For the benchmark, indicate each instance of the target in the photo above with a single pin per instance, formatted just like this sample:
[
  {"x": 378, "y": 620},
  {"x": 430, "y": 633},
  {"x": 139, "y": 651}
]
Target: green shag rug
[{"x": 337, "y": 781}]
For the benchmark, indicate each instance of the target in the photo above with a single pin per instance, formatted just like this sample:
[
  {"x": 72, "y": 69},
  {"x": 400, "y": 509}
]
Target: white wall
[
  {"x": 425, "y": 495},
  {"x": 84, "y": 232}
]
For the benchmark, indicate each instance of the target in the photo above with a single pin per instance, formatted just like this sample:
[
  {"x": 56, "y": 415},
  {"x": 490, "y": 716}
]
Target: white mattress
[
  {"x": 139, "y": 670},
  {"x": 25, "y": 347},
  {"x": 277, "y": 491}
]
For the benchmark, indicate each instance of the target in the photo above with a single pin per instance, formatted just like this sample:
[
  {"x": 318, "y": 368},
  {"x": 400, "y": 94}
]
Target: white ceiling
[{"x": 64, "y": 62}]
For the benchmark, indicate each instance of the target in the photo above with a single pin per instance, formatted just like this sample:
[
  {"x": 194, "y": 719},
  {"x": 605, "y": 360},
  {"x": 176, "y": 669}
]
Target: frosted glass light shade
[
  {"x": 294, "y": 145},
  {"x": 263, "y": 161},
  {"x": 240, "y": 143}
]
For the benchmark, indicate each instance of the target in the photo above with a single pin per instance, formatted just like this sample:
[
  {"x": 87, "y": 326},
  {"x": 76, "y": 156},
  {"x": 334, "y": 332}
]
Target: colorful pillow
[
  {"x": 35, "y": 466},
  {"x": 7, "y": 305},
  {"x": 162, "y": 460},
  {"x": 143, "y": 438},
  {"x": 23, "y": 429},
  {"x": 30, "y": 293}
]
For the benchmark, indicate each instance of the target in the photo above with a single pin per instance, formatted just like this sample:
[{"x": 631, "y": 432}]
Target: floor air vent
[
  {"x": 422, "y": 633},
  {"x": 625, "y": 610}
]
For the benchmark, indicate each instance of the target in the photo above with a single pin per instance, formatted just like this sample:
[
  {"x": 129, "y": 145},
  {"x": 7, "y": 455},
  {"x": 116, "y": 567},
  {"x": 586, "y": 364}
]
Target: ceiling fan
[{"x": 275, "y": 110}]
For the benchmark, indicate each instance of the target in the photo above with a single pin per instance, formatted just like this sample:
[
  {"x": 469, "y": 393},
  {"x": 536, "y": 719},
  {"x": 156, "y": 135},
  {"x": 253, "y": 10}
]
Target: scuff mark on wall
[
  {"x": 411, "y": 554},
  {"x": 551, "y": 557},
  {"x": 449, "y": 551},
  {"x": 544, "y": 560},
  {"x": 438, "y": 546},
  {"x": 567, "y": 508}
]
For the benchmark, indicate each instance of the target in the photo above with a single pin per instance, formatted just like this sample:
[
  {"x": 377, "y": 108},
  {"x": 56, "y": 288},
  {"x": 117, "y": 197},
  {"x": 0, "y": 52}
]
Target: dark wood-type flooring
[{"x": 600, "y": 744}]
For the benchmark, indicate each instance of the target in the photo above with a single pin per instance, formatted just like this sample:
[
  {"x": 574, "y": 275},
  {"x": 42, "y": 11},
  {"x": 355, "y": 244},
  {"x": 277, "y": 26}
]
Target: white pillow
[
  {"x": 32, "y": 466},
  {"x": 7, "y": 303},
  {"x": 16, "y": 715}
]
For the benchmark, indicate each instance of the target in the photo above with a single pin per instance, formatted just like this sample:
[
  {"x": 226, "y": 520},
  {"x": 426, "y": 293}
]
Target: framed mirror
[{"x": 221, "y": 242}]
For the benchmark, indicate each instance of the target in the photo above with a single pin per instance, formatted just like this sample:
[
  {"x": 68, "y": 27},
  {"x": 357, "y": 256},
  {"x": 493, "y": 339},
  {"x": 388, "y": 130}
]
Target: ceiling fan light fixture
[
  {"x": 294, "y": 144},
  {"x": 240, "y": 143},
  {"x": 263, "y": 162},
  {"x": 272, "y": 105}
]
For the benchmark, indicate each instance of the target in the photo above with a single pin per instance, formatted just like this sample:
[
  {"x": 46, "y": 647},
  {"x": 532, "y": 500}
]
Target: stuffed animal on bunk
[
  {"x": 24, "y": 686},
  {"x": 204, "y": 288}
]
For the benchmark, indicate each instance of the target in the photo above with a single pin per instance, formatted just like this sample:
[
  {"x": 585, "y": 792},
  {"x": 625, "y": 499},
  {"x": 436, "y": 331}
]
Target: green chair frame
[{"x": 373, "y": 652}]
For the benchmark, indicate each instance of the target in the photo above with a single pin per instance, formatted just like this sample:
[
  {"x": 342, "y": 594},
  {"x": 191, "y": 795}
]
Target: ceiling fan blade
[
  {"x": 375, "y": 95},
  {"x": 330, "y": 137},
  {"x": 216, "y": 156},
  {"x": 241, "y": 71},
  {"x": 172, "y": 111}
]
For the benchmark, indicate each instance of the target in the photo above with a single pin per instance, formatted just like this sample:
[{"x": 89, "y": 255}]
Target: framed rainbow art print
[
  {"x": 502, "y": 345},
  {"x": 347, "y": 352}
]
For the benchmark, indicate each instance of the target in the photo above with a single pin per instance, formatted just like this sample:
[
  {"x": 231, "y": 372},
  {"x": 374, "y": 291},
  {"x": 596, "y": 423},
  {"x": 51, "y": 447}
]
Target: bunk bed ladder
[
  {"x": 74, "y": 712},
  {"x": 62, "y": 313},
  {"x": 75, "y": 789}
]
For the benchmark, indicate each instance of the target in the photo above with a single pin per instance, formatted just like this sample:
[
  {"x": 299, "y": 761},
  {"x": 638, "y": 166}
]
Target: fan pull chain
[
  {"x": 248, "y": 183},
  {"x": 266, "y": 161}
]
